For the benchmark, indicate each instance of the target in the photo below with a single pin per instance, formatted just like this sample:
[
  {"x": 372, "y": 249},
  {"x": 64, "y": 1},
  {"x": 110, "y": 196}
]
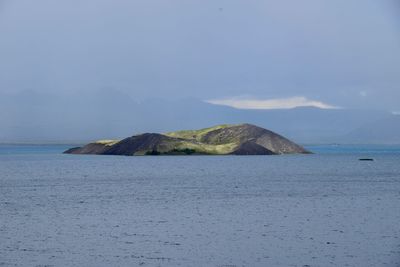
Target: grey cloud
[{"x": 328, "y": 51}]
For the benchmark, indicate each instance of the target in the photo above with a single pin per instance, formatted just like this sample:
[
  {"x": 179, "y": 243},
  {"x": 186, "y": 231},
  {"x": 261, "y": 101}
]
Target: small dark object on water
[{"x": 366, "y": 159}]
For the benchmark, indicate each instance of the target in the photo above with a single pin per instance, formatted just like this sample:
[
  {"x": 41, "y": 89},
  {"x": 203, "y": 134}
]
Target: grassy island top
[{"x": 224, "y": 139}]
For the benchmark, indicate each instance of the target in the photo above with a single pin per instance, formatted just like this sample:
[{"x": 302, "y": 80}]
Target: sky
[
  {"x": 342, "y": 53},
  {"x": 82, "y": 70}
]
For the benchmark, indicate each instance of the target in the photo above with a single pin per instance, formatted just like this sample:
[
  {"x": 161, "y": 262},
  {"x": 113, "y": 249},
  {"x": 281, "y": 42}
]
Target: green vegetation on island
[{"x": 238, "y": 139}]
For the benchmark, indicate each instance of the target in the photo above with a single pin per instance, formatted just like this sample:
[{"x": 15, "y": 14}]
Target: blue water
[
  {"x": 33, "y": 149},
  {"x": 325, "y": 209},
  {"x": 318, "y": 149},
  {"x": 355, "y": 149}
]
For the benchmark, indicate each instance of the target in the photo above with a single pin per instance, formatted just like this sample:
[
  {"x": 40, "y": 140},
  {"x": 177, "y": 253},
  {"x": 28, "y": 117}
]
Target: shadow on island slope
[{"x": 240, "y": 139}]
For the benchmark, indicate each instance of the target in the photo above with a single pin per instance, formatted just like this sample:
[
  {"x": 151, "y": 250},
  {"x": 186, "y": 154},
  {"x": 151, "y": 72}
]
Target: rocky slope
[{"x": 240, "y": 139}]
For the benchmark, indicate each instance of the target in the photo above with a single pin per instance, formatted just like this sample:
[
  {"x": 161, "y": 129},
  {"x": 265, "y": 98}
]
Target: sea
[{"x": 324, "y": 209}]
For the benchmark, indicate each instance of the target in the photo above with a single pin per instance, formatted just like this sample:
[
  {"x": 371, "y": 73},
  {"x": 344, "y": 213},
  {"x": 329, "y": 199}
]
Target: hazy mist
[{"x": 66, "y": 66}]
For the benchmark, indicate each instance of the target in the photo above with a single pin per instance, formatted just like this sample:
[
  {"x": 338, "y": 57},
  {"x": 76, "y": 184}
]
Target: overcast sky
[{"x": 342, "y": 53}]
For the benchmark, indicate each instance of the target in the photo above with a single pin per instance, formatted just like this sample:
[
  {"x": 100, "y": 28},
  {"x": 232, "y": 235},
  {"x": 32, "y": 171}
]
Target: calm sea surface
[{"x": 326, "y": 209}]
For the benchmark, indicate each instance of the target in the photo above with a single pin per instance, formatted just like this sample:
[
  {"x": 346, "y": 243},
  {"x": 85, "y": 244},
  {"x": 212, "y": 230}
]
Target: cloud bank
[{"x": 277, "y": 103}]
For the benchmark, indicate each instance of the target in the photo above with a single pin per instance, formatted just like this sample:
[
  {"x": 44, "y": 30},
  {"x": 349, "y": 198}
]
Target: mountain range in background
[
  {"x": 383, "y": 131},
  {"x": 30, "y": 117}
]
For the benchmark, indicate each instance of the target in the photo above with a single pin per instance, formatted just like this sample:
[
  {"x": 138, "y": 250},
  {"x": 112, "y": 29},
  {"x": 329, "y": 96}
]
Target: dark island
[{"x": 240, "y": 139}]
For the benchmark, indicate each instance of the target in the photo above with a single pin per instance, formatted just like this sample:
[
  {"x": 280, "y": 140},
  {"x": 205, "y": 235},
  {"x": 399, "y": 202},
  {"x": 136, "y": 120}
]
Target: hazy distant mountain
[
  {"x": 383, "y": 131},
  {"x": 34, "y": 117}
]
